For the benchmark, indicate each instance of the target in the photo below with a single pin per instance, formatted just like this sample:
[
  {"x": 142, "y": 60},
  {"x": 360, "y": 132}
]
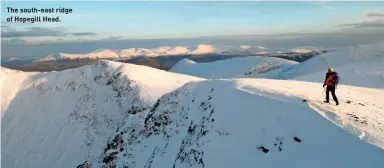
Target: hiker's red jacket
[{"x": 328, "y": 79}]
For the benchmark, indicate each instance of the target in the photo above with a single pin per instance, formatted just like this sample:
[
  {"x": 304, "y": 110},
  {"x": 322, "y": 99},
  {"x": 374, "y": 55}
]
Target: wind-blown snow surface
[
  {"x": 59, "y": 119},
  {"x": 247, "y": 123},
  {"x": 232, "y": 68}
]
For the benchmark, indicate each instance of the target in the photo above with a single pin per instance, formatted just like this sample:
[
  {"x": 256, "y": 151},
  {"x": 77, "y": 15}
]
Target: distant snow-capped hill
[
  {"x": 98, "y": 54},
  {"x": 47, "y": 58},
  {"x": 231, "y": 68},
  {"x": 248, "y": 122},
  {"x": 59, "y": 119},
  {"x": 227, "y": 49},
  {"x": 12, "y": 59},
  {"x": 204, "y": 49},
  {"x": 131, "y": 52},
  {"x": 307, "y": 49}
]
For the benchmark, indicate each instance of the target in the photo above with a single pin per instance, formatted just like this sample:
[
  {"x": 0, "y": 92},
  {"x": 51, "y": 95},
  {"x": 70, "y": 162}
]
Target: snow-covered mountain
[
  {"x": 165, "y": 50},
  {"x": 248, "y": 123},
  {"x": 307, "y": 49},
  {"x": 111, "y": 114},
  {"x": 59, "y": 119},
  {"x": 47, "y": 58},
  {"x": 231, "y": 68},
  {"x": 11, "y": 83},
  {"x": 365, "y": 74},
  {"x": 12, "y": 59},
  {"x": 98, "y": 54},
  {"x": 199, "y": 49},
  {"x": 357, "y": 58},
  {"x": 360, "y": 65}
]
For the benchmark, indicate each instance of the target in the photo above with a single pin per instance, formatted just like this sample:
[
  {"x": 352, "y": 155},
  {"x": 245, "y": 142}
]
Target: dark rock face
[
  {"x": 84, "y": 165},
  {"x": 165, "y": 120},
  {"x": 264, "y": 67},
  {"x": 89, "y": 108},
  {"x": 174, "y": 131}
]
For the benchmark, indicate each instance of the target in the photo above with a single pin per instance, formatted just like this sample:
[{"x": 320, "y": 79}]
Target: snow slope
[
  {"x": 231, "y": 68},
  {"x": 247, "y": 123},
  {"x": 59, "y": 119},
  {"x": 360, "y": 65},
  {"x": 365, "y": 74},
  {"x": 358, "y": 55},
  {"x": 360, "y": 111},
  {"x": 11, "y": 82}
]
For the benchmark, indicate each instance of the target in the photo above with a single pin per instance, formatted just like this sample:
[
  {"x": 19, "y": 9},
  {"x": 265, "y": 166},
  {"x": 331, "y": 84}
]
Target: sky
[{"x": 124, "y": 24}]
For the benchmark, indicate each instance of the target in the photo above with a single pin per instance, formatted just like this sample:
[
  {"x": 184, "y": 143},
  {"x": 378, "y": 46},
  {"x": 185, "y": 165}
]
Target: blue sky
[
  {"x": 191, "y": 19},
  {"x": 162, "y": 20}
]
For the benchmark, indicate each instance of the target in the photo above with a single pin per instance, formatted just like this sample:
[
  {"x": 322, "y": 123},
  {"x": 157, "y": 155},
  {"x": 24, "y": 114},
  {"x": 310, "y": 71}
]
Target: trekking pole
[{"x": 324, "y": 91}]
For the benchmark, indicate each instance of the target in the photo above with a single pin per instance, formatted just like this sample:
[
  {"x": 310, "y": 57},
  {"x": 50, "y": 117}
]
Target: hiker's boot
[
  {"x": 326, "y": 101},
  {"x": 337, "y": 103}
]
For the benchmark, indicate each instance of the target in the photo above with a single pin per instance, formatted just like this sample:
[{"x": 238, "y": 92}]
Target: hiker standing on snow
[{"x": 331, "y": 81}]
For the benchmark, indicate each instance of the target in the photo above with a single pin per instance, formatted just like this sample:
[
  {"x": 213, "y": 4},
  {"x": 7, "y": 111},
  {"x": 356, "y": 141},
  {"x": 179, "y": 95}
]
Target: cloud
[
  {"x": 4, "y": 26},
  {"x": 32, "y": 31},
  {"x": 366, "y": 24},
  {"x": 345, "y": 37},
  {"x": 374, "y": 14},
  {"x": 83, "y": 34},
  {"x": 17, "y": 40},
  {"x": 325, "y": 5},
  {"x": 9, "y": 32},
  {"x": 113, "y": 38}
]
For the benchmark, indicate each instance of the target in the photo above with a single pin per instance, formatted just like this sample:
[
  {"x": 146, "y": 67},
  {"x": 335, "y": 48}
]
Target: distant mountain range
[{"x": 161, "y": 57}]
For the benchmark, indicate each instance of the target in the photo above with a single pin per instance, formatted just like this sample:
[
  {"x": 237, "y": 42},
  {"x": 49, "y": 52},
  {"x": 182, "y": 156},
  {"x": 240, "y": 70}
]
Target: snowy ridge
[
  {"x": 59, "y": 119},
  {"x": 11, "y": 82},
  {"x": 363, "y": 113},
  {"x": 203, "y": 124},
  {"x": 231, "y": 68}
]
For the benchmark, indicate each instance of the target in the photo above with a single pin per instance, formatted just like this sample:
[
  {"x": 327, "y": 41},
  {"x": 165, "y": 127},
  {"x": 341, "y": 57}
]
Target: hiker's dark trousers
[{"x": 332, "y": 90}]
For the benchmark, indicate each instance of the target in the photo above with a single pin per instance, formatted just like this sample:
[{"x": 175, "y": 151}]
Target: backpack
[{"x": 336, "y": 78}]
